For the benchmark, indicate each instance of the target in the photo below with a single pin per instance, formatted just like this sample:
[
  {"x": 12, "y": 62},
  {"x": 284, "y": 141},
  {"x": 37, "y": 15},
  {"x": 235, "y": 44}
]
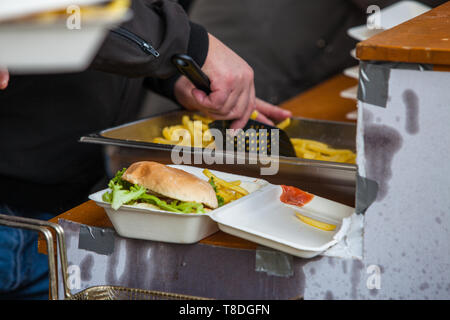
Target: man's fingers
[
  {"x": 219, "y": 103},
  {"x": 262, "y": 118},
  {"x": 234, "y": 104},
  {"x": 273, "y": 112},
  {"x": 4, "y": 79},
  {"x": 246, "y": 107},
  {"x": 242, "y": 121},
  {"x": 239, "y": 123}
]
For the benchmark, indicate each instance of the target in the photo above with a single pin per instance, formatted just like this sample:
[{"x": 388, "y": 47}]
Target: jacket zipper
[{"x": 144, "y": 45}]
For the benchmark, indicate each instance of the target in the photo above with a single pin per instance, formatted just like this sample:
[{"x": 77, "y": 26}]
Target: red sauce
[{"x": 295, "y": 196}]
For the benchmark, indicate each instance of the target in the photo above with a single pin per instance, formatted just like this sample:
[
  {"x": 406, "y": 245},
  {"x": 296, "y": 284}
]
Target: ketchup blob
[{"x": 295, "y": 196}]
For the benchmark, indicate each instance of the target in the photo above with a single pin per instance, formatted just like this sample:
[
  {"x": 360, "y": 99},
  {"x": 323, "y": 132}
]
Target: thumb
[{"x": 200, "y": 96}]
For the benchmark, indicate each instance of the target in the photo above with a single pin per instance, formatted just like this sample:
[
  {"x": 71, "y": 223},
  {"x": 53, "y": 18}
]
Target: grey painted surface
[{"x": 193, "y": 269}]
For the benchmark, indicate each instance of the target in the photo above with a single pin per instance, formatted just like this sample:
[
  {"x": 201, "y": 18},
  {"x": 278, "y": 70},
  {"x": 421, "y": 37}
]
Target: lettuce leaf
[{"x": 220, "y": 199}]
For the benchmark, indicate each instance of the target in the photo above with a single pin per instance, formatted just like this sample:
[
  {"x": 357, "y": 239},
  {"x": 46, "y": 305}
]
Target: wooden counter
[
  {"x": 321, "y": 102},
  {"x": 424, "y": 39}
]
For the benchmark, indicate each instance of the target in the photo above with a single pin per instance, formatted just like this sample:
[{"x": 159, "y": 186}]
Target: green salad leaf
[
  {"x": 125, "y": 193},
  {"x": 220, "y": 199}
]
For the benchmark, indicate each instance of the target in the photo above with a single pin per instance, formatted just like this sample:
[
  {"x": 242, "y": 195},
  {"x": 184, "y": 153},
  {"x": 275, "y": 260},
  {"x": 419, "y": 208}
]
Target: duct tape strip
[
  {"x": 366, "y": 193},
  {"x": 274, "y": 263},
  {"x": 97, "y": 240},
  {"x": 374, "y": 77}
]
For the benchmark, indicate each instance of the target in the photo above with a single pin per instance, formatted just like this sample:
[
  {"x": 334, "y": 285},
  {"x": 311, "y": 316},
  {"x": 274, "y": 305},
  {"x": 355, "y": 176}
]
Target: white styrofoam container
[
  {"x": 160, "y": 225},
  {"x": 259, "y": 217},
  {"x": 51, "y": 47},
  {"x": 267, "y": 221}
]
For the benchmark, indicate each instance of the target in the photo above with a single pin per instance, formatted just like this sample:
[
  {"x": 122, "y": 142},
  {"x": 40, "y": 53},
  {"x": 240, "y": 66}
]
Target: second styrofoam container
[{"x": 267, "y": 221}]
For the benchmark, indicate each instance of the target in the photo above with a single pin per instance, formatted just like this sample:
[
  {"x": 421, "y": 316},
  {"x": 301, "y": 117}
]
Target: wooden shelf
[
  {"x": 324, "y": 101},
  {"x": 424, "y": 39}
]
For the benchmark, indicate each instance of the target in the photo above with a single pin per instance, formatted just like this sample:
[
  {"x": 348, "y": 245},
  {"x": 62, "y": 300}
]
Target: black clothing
[
  {"x": 42, "y": 117},
  {"x": 186, "y": 4},
  {"x": 292, "y": 45}
]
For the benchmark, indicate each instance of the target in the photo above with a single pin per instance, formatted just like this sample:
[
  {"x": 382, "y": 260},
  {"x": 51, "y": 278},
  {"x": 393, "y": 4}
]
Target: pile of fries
[
  {"x": 311, "y": 149},
  {"x": 190, "y": 133},
  {"x": 228, "y": 191},
  {"x": 195, "y": 133}
]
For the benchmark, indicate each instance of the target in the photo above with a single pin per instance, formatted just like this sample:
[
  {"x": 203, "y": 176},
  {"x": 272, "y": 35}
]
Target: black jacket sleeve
[
  {"x": 162, "y": 24},
  {"x": 197, "y": 49}
]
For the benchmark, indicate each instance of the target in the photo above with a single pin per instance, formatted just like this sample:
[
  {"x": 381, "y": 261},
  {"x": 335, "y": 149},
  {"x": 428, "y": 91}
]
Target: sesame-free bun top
[{"x": 171, "y": 182}]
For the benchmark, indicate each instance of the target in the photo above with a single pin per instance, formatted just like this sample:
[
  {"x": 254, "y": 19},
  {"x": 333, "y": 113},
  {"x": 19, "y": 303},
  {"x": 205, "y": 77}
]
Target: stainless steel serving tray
[{"x": 131, "y": 142}]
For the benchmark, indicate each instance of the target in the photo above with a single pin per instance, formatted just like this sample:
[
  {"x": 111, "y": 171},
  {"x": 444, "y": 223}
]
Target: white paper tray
[
  {"x": 52, "y": 47},
  {"x": 259, "y": 217},
  {"x": 352, "y": 72},
  {"x": 11, "y": 9},
  {"x": 350, "y": 93}
]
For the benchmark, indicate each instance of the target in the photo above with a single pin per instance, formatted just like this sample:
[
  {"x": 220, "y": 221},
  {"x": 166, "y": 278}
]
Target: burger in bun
[{"x": 149, "y": 183}]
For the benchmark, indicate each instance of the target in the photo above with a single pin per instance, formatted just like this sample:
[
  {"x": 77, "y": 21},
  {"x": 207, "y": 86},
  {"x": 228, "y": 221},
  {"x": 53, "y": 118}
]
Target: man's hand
[
  {"x": 4, "y": 78},
  {"x": 232, "y": 94}
]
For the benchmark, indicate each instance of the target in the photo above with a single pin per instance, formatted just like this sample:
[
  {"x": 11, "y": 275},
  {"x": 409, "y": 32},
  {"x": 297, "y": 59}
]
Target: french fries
[
  {"x": 284, "y": 124},
  {"x": 195, "y": 133},
  {"x": 228, "y": 191},
  {"x": 202, "y": 119},
  {"x": 315, "y": 223},
  {"x": 190, "y": 133},
  {"x": 225, "y": 184},
  {"x": 311, "y": 149}
]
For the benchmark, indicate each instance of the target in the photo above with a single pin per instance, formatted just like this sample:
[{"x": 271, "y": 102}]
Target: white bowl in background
[{"x": 390, "y": 17}]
